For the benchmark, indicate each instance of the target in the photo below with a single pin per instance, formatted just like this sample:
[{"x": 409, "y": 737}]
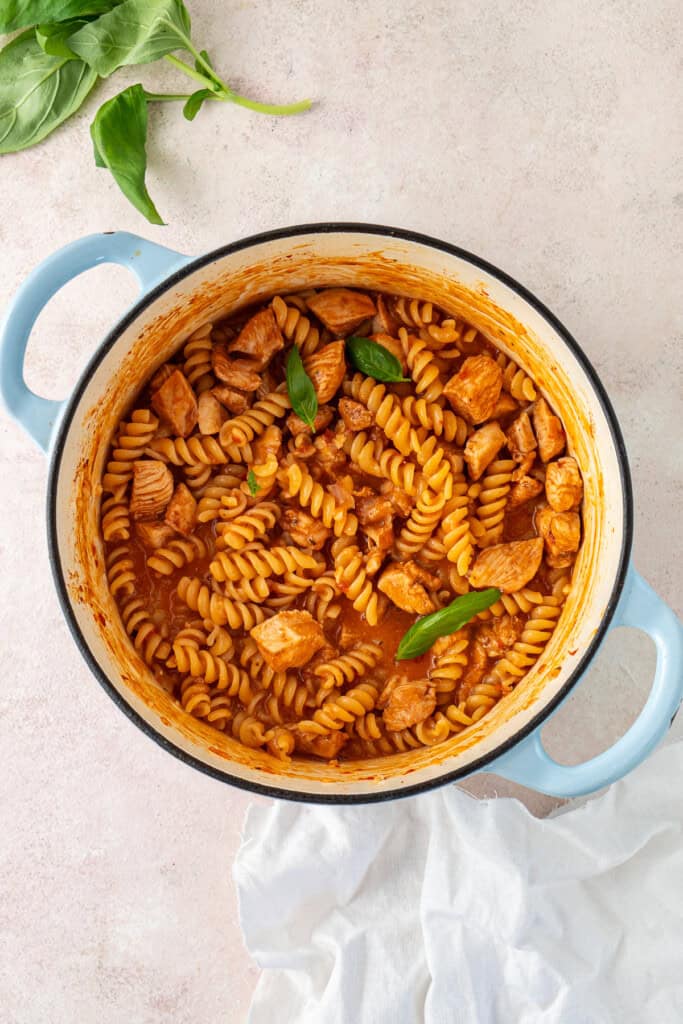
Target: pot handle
[
  {"x": 148, "y": 261},
  {"x": 529, "y": 764}
]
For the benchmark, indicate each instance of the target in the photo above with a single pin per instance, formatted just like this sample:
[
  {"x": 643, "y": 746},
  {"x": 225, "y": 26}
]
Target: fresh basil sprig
[
  {"x": 119, "y": 134},
  {"x": 374, "y": 360},
  {"x": 47, "y": 72},
  {"x": 300, "y": 389},
  {"x": 423, "y": 633},
  {"x": 38, "y": 91}
]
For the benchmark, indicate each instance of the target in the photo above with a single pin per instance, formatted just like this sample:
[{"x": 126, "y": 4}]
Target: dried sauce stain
[{"x": 227, "y": 293}]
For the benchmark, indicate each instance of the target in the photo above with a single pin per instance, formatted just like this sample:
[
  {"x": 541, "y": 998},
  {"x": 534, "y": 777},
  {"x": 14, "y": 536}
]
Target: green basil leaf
[
  {"x": 119, "y": 134},
  {"x": 252, "y": 483},
  {"x": 374, "y": 360},
  {"x": 300, "y": 389},
  {"x": 37, "y": 92},
  {"x": 423, "y": 633},
  {"x": 16, "y": 14},
  {"x": 136, "y": 32},
  {"x": 194, "y": 103},
  {"x": 53, "y": 38}
]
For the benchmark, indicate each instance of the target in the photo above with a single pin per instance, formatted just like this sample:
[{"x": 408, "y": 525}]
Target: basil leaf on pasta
[
  {"x": 300, "y": 389},
  {"x": 423, "y": 633},
  {"x": 119, "y": 134},
  {"x": 252, "y": 483},
  {"x": 374, "y": 360}
]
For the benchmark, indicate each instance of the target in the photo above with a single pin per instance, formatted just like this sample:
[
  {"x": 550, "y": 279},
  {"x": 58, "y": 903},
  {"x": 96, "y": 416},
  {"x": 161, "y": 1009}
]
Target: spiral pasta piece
[
  {"x": 221, "y": 610},
  {"x": 340, "y": 671},
  {"x": 197, "y": 477},
  {"x": 421, "y": 524},
  {"x": 226, "y": 484},
  {"x": 189, "y": 452},
  {"x": 242, "y": 429},
  {"x": 436, "y": 465},
  {"x": 200, "y": 663},
  {"x": 140, "y": 627},
  {"x": 438, "y": 336},
  {"x": 423, "y": 369},
  {"x": 320, "y": 598},
  {"x": 250, "y": 731},
  {"x": 493, "y": 499},
  {"x": 295, "y": 326},
  {"x": 414, "y": 312},
  {"x": 219, "y": 640},
  {"x": 449, "y": 666},
  {"x": 250, "y": 525},
  {"x": 221, "y": 709},
  {"x": 256, "y": 590},
  {"x": 336, "y": 711},
  {"x": 512, "y": 604},
  {"x": 281, "y": 744},
  {"x": 194, "y": 697},
  {"x": 289, "y": 695},
  {"x": 432, "y": 416},
  {"x": 234, "y": 565},
  {"x": 455, "y": 533},
  {"x": 352, "y": 579},
  {"x": 177, "y": 553},
  {"x": 197, "y": 354},
  {"x": 120, "y": 571},
  {"x": 537, "y": 632},
  {"x": 481, "y": 699},
  {"x": 298, "y": 483},
  {"x": 257, "y": 667},
  {"x": 386, "y": 408},
  {"x": 115, "y": 517},
  {"x": 515, "y": 380},
  {"x": 133, "y": 437}
]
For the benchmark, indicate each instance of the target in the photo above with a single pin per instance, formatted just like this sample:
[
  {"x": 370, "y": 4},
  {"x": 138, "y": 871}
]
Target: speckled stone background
[{"x": 545, "y": 137}]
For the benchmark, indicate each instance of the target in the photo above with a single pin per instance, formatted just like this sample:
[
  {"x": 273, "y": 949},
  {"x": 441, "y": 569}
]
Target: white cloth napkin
[{"x": 444, "y": 909}]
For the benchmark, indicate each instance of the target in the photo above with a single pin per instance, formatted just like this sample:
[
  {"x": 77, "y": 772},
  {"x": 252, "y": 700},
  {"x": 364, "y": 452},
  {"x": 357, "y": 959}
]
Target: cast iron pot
[{"x": 180, "y": 293}]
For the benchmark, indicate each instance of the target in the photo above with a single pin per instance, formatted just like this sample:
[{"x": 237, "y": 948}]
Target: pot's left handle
[{"x": 148, "y": 261}]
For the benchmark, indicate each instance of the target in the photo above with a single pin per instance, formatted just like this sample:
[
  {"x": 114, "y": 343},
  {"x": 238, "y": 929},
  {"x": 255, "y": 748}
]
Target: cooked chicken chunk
[
  {"x": 394, "y": 346},
  {"x": 482, "y": 447},
  {"x": 384, "y": 322},
  {"x": 237, "y": 373},
  {"x": 561, "y": 532},
  {"x": 326, "y": 368},
  {"x": 260, "y": 339},
  {"x": 404, "y": 584},
  {"x": 321, "y": 746},
  {"x": 520, "y": 438},
  {"x": 268, "y": 443},
  {"x": 507, "y": 566},
  {"x": 504, "y": 406},
  {"x": 176, "y": 404},
  {"x": 304, "y": 529},
  {"x": 234, "y": 401},
  {"x": 406, "y": 702},
  {"x": 524, "y": 490},
  {"x": 154, "y": 535},
  {"x": 563, "y": 484},
  {"x": 341, "y": 310},
  {"x": 524, "y": 467},
  {"x": 288, "y": 639},
  {"x": 376, "y": 516},
  {"x": 474, "y": 390},
  {"x": 499, "y": 634},
  {"x": 211, "y": 414},
  {"x": 477, "y": 664},
  {"x": 551, "y": 439},
  {"x": 402, "y": 503},
  {"x": 329, "y": 455},
  {"x": 297, "y": 426},
  {"x": 152, "y": 489},
  {"x": 181, "y": 513},
  {"x": 355, "y": 415}
]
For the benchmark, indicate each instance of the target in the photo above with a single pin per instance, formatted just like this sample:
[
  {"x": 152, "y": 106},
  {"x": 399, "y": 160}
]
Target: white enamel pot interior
[{"x": 285, "y": 261}]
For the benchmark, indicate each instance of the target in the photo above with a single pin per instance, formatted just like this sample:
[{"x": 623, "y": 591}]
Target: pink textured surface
[{"x": 547, "y": 145}]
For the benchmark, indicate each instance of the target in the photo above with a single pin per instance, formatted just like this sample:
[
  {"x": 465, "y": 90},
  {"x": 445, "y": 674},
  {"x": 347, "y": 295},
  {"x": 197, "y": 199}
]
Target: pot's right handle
[
  {"x": 529, "y": 764},
  {"x": 148, "y": 261}
]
